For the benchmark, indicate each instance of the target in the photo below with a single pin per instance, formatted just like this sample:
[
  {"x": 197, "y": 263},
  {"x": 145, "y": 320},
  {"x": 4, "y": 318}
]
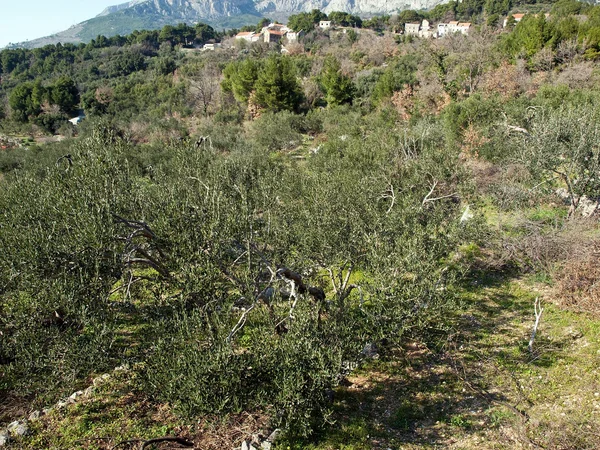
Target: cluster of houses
[
  {"x": 274, "y": 32},
  {"x": 425, "y": 30}
]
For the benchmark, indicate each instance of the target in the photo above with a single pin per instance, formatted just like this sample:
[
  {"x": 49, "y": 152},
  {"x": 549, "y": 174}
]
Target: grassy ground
[
  {"x": 481, "y": 389},
  {"x": 484, "y": 389}
]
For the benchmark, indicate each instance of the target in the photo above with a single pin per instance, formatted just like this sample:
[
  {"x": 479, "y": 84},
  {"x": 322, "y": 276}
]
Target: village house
[
  {"x": 211, "y": 46},
  {"x": 412, "y": 29},
  {"x": 325, "y": 24},
  {"x": 454, "y": 27},
  {"x": 425, "y": 30},
  {"x": 518, "y": 17},
  {"x": 274, "y": 32},
  {"x": 464, "y": 28},
  {"x": 249, "y": 36},
  {"x": 274, "y": 35},
  {"x": 422, "y": 29},
  {"x": 294, "y": 36}
]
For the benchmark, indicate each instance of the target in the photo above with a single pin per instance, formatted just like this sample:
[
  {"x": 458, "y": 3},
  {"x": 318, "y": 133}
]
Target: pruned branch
[
  {"x": 428, "y": 198},
  {"x": 68, "y": 158},
  {"x": 240, "y": 323},
  {"x": 538, "y": 310},
  {"x": 513, "y": 127},
  {"x": 518, "y": 129},
  {"x": 141, "y": 228},
  {"x": 264, "y": 295},
  {"x": 391, "y": 194},
  {"x": 137, "y": 252}
]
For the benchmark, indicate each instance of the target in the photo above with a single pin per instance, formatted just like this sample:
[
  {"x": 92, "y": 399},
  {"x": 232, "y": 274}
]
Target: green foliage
[
  {"x": 66, "y": 276},
  {"x": 64, "y": 94},
  {"x": 337, "y": 87},
  {"x": 497, "y": 8},
  {"x": 398, "y": 75},
  {"x": 345, "y": 19},
  {"x": 128, "y": 61},
  {"x": 240, "y": 78},
  {"x": 439, "y": 12},
  {"x": 563, "y": 143},
  {"x": 474, "y": 110},
  {"x": 279, "y": 131},
  {"x": 306, "y": 21},
  {"x": 22, "y": 104},
  {"x": 277, "y": 87},
  {"x": 408, "y": 16}
]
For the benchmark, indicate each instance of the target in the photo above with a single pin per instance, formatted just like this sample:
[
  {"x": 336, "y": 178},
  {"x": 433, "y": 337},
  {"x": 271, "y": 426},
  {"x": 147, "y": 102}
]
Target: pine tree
[
  {"x": 338, "y": 88},
  {"x": 277, "y": 87}
]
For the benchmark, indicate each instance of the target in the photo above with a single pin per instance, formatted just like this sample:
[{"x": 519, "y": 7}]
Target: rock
[
  {"x": 587, "y": 207},
  {"x": 18, "y": 428},
  {"x": 65, "y": 402},
  {"x": 574, "y": 333},
  {"x": 266, "y": 445},
  {"x": 245, "y": 446},
  {"x": 371, "y": 351},
  {"x": 101, "y": 379},
  {"x": 89, "y": 391},
  {"x": 74, "y": 395},
  {"x": 35, "y": 415},
  {"x": 466, "y": 215},
  {"x": 47, "y": 411},
  {"x": 274, "y": 435},
  {"x": 4, "y": 438}
]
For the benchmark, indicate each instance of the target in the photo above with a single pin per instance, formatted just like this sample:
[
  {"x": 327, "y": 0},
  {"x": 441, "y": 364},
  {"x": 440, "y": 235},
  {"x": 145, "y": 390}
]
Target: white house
[
  {"x": 325, "y": 24},
  {"x": 517, "y": 17},
  {"x": 247, "y": 36},
  {"x": 422, "y": 29},
  {"x": 412, "y": 29},
  {"x": 212, "y": 46},
  {"x": 293, "y": 36}
]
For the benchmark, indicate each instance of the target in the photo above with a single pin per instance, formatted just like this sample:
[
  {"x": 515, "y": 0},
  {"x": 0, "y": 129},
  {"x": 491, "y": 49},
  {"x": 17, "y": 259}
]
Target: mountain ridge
[{"x": 126, "y": 17}]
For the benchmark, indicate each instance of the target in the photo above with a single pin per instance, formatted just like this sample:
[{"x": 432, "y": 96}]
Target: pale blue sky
[{"x": 22, "y": 20}]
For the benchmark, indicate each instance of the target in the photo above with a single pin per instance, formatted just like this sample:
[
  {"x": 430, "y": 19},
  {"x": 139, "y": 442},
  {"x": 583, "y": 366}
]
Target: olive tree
[{"x": 563, "y": 144}]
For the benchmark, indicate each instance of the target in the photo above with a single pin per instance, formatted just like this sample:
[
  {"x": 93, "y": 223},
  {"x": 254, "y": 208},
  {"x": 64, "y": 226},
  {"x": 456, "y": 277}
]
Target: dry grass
[{"x": 578, "y": 279}]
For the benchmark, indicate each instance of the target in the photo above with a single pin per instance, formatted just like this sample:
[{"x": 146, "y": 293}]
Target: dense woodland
[{"x": 241, "y": 227}]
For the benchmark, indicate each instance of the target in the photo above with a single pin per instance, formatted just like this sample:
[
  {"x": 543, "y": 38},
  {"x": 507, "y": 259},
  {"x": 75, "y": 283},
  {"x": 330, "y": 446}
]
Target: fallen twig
[{"x": 148, "y": 442}]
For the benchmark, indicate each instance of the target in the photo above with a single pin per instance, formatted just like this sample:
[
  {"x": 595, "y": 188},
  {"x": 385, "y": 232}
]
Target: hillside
[{"x": 356, "y": 240}]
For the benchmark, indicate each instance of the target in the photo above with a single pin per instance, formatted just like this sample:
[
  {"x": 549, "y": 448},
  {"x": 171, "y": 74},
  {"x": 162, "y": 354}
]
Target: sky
[{"x": 22, "y": 20}]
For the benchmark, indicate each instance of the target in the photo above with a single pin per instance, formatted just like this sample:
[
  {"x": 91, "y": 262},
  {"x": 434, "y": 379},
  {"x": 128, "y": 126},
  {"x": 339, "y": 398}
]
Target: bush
[
  {"x": 278, "y": 131},
  {"x": 220, "y": 332}
]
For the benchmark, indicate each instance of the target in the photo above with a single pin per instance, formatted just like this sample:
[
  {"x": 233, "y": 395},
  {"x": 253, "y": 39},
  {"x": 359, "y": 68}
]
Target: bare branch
[
  {"x": 519, "y": 129},
  {"x": 427, "y": 198},
  {"x": 390, "y": 193},
  {"x": 513, "y": 127},
  {"x": 240, "y": 324},
  {"x": 538, "y": 310}
]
